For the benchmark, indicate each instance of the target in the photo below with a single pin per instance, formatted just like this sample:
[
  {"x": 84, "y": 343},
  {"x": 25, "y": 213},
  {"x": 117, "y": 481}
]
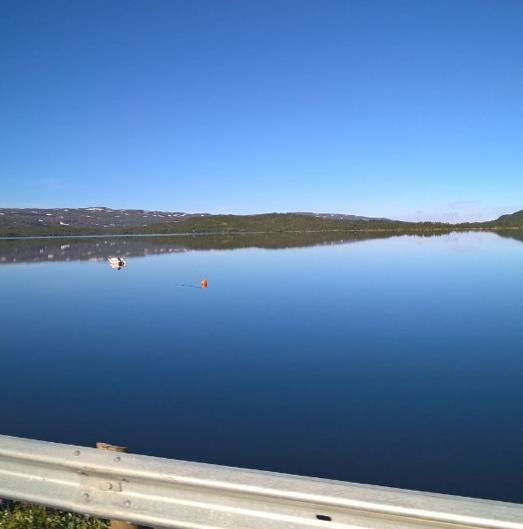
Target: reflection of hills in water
[
  {"x": 516, "y": 235},
  {"x": 49, "y": 250},
  {"x": 60, "y": 249}
]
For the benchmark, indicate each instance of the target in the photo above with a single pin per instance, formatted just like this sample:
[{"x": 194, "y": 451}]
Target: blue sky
[{"x": 401, "y": 108}]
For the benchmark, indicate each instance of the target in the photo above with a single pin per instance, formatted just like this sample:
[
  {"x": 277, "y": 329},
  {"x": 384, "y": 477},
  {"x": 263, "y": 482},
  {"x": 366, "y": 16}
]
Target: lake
[{"x": 394, "y": 360}]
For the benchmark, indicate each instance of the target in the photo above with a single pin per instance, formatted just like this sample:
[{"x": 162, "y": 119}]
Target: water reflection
[
  {"x": 104, "y": 248},
  {"x": 394, "y": 362}
]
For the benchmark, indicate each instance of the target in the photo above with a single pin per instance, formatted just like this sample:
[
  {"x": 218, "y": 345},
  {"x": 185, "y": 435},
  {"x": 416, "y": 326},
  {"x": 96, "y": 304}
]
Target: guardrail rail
[{"x": 167, "y": 493}]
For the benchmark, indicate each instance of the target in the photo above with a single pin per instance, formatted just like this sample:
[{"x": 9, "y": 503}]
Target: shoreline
[{"x": 403, "y": 231}]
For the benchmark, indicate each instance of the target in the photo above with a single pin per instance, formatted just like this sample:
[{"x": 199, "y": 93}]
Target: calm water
[{"x": 393, "y": 361}]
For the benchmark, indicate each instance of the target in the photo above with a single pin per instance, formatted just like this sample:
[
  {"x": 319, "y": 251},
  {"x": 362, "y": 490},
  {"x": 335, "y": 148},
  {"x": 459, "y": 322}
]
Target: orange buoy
[{"x": 203, "y": 283}]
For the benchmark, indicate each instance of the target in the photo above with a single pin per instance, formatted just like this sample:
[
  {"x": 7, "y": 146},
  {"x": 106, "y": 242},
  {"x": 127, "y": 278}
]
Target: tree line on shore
[{"x": 264, "y": 223}]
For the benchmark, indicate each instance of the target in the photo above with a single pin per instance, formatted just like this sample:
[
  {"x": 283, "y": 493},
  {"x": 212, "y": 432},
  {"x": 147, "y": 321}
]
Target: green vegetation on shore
[{"x": 265, "y": 223}]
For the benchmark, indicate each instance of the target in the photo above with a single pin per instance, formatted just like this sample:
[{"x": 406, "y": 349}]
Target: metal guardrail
[{"x": 177, "y": 494}]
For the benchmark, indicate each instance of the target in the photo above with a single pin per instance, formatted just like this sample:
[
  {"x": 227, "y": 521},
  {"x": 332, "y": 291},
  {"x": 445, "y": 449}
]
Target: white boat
[{"x": 117, "y": 262}]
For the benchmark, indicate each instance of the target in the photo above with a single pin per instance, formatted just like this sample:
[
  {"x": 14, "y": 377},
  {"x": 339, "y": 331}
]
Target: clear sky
[{"x": 401, "y": 108}]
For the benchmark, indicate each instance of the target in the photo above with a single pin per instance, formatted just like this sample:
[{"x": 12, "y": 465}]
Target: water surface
[{"x": 393, "y": 360}]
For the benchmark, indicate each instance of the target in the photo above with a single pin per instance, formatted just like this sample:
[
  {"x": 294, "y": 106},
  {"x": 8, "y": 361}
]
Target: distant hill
[
  {"x": 104, "y": 221},
  {"x": 512, "y": 220},
  {"x": 338, "y": 216},
  {"x": 267, "y": 223},
  {"x": 91, "y": 218}
]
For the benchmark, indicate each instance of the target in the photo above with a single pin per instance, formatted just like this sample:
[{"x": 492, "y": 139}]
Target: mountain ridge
[{"x": 103, "y": 220}]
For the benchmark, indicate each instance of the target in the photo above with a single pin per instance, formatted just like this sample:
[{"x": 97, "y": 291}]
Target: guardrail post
[{"x": 116, "y": 524}]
